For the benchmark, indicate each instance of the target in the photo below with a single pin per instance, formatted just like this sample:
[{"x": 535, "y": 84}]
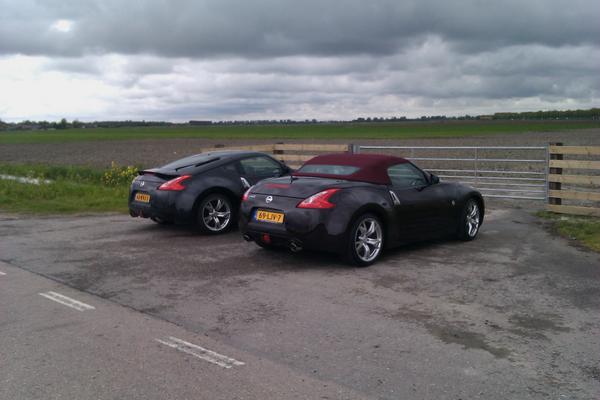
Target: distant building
[{"x": 200, "y": 122}]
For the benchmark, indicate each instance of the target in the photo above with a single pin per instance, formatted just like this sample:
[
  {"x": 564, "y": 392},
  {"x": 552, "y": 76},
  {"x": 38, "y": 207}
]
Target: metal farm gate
[{"x": 513, "y": 172}]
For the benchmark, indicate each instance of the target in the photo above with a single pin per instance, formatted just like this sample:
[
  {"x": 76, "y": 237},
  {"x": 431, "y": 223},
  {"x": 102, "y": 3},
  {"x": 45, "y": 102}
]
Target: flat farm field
[
  {"x": 149, "y": 147},
  {"x": 337, "y": 131}
]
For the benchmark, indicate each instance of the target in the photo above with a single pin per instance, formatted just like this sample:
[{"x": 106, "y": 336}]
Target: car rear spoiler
[{"x": 157, "y": 174}]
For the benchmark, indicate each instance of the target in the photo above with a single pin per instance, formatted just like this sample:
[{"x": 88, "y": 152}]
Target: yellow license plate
[
  {"x": 143, "y": 197},
  {"x": 268, "y": 216}
]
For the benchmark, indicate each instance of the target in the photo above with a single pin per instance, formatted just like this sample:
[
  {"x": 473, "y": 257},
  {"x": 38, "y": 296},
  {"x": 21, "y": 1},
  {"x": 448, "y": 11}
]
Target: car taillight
[
  {"x": 175, "y": 184},
  {"x": 246, "y": 194},
  {"x": 319, "y": 200}
]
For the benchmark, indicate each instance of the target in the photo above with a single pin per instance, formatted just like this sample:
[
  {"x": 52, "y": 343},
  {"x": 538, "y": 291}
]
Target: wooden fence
[
  {"x": 293, "y": 154},
  {"x": 580, "y": 187}
]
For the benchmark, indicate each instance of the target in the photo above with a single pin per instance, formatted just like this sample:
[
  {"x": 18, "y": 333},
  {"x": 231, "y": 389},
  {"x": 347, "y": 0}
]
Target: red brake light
[
  {"x": 266, "y": 238},
  {"x": 319, "y": 200},
  {"x": 175, "y": 184},
  {"x": 277, "y": 185}
]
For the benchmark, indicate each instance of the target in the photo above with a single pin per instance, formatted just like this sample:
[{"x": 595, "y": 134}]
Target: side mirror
[{"x": 433, "y": 179}]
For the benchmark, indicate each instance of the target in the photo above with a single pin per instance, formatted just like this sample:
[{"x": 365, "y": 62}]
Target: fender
[
  {"x": 352, "y": 203},
  {"x": 213, "y": 180}
]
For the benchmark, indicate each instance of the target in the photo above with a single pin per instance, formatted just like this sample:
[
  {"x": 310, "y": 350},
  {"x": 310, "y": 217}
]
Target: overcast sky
[{"x": 269, "y": 59}]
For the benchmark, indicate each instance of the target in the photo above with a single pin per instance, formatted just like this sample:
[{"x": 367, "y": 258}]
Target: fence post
[
  {"x": 547, "y": 174},
  {"x": 276, "y": 150},
  {"x": 554, "y": 171},
  {"x": 353, "y": 148}
]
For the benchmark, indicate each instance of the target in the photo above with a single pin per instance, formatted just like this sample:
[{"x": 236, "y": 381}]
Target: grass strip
[
  {"x": 585, "y": 230},
  {"x": 71, "y": 190}
]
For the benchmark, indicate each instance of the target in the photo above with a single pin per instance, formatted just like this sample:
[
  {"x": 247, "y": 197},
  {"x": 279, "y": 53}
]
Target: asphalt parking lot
[{"x": 511, "y": 315}]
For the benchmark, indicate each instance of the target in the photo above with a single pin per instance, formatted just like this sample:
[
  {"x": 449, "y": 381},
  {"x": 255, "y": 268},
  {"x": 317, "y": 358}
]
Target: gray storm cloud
[
  {"x": 267, "y": 28},
  {"x": 234, "y": 59}
]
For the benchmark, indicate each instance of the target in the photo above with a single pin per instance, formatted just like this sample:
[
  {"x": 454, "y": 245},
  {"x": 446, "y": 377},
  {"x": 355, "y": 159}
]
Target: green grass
[
  {"x": 585, "y": 230},
  {"x": 72, "y": 190},
  {"x": 401, "y": 130}
]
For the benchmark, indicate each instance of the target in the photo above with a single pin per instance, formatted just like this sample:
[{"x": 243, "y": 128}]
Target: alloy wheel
[
  {"x": 473, "y": 218},
  {"x": 368, "y": 240},
  {"x": 216, "y": 214}
]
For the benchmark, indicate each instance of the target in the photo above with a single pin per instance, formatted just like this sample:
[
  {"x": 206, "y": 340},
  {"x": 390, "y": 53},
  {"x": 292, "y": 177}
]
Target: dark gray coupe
[{"x": 204, "y": 189}]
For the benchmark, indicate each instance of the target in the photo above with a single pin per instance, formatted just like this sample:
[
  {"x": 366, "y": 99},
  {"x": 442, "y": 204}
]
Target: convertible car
[
  {"x": 358, "y": 205},
  {"x": 205, "y": 189}
]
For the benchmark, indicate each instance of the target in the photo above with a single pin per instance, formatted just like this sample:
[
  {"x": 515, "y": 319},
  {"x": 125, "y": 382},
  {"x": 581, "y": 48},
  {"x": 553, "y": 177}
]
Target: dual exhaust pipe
[
  {"x": 294, "y": 245},
  {"x": 136, "y": 214}
]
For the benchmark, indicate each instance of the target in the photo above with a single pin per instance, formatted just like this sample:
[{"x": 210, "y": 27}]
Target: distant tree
[{"x": 63, "y": 124}]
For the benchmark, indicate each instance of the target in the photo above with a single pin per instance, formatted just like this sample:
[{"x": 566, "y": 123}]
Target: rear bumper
[
  {"x": 316, "y": 229},
  {"x": 148, "y": 211},
  {"x": 317, "y": 238},
  {"x": 162, "y": 205}
]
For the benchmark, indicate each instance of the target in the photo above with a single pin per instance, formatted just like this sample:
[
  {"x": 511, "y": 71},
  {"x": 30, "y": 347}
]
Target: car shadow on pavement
[
  {"x": 319, "y": 260},
  {"x": 182, "y": 230}
]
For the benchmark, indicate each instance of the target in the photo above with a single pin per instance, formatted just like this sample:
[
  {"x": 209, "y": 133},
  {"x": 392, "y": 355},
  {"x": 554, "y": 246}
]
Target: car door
[
  {"x": 256, "y": 168},
  {"x": 422, "y": 208}
]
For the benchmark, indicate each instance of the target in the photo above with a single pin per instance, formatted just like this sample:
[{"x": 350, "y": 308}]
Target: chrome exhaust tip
[
  {"x": 295, "y": 246},
  {"x": 247, "y": 237}
]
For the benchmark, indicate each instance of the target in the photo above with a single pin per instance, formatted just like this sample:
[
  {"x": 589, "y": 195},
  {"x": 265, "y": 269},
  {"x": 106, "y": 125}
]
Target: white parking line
[
  {"x": 200, "y": 352},
  {"x": 2, "y": 273},
  {"x": 67, "y": 301}
]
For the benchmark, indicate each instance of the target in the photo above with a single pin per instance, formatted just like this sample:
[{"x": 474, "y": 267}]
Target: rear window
[
  {"x": 328, "y": 169},
  {"x": 192, "y": 161}
]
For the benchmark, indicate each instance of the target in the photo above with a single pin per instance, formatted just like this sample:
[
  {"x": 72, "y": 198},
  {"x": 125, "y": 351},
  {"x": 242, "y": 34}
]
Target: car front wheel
[
  {"x": 470, "y": 221},
  {"x": 365, "y": 240},
  {"x": 215, "y": 214}
]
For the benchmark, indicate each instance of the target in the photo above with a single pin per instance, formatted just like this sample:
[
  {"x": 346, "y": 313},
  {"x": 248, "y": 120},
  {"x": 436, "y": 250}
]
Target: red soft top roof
[{"x": 372, "y": 167}]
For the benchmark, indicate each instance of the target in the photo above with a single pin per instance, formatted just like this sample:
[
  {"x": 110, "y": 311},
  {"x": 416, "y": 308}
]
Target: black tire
[
  {"x": 161, "y": 221},
  {"x": 470, "y": 220},
  {"x": 215, "y": 214},
  {"x": 365, "y": 256}
]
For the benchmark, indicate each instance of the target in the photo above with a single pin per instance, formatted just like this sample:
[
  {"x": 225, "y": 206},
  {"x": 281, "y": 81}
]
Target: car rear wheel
[
  {"x": 215, "y": 214},
  {"x": 470, "y": 221},
  {"x": 365, "y": 241}
]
